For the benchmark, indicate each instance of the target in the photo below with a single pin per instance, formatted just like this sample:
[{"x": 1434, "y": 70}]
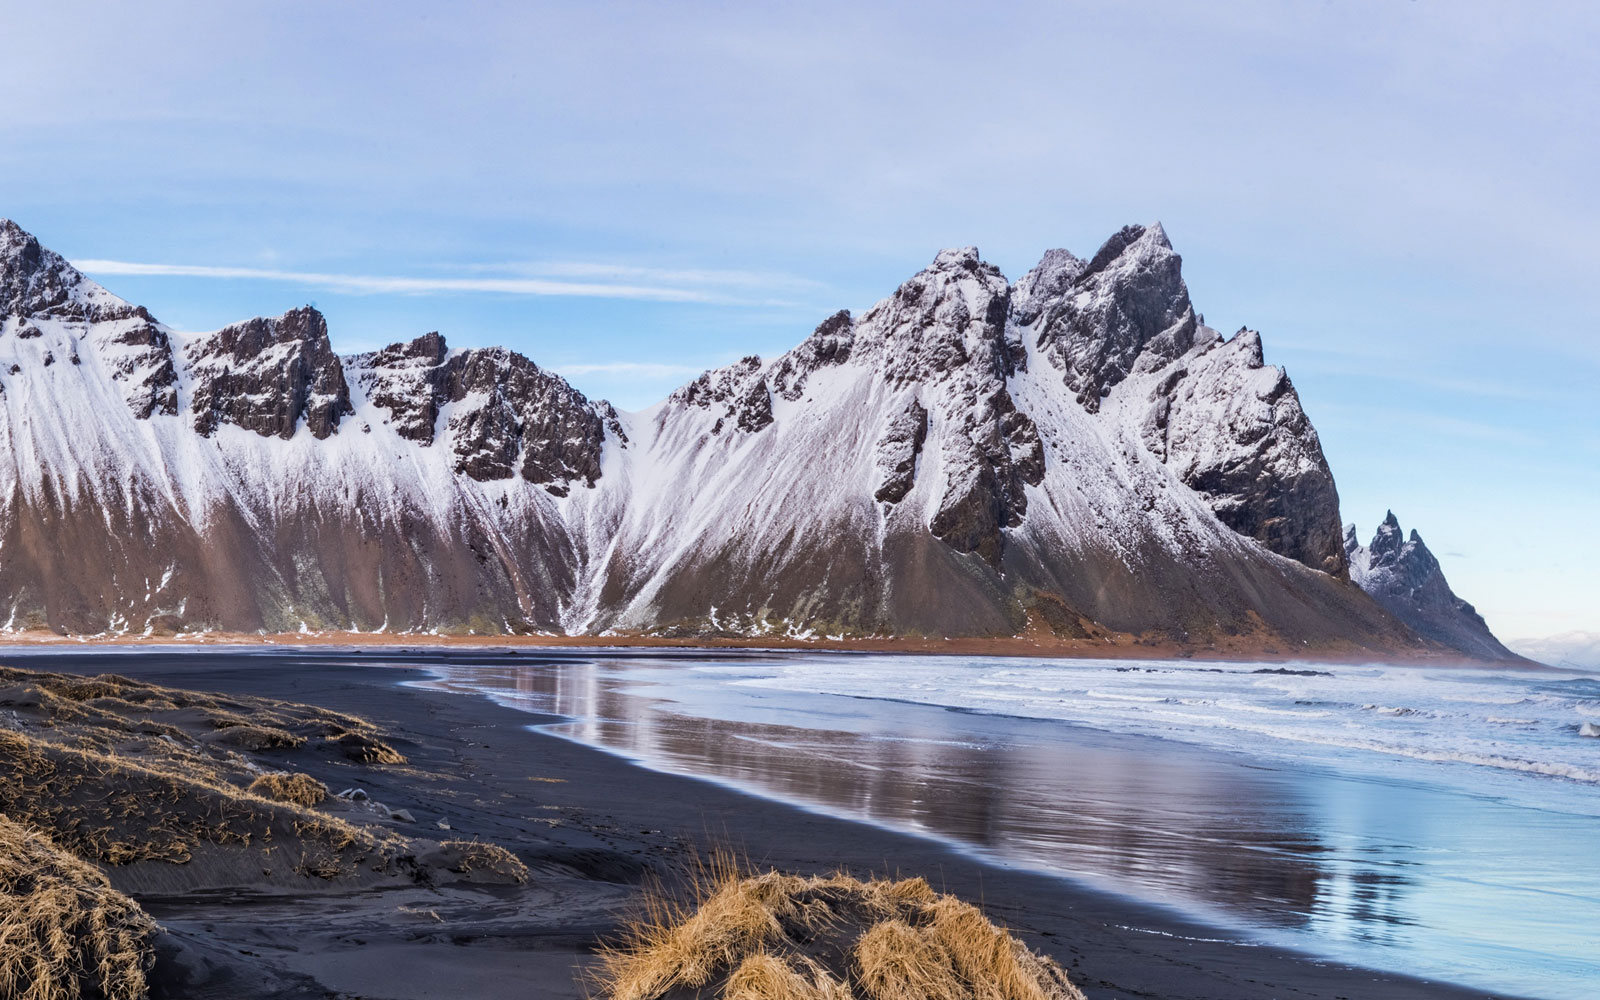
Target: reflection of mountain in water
[{"x": 1164, "y": 820}]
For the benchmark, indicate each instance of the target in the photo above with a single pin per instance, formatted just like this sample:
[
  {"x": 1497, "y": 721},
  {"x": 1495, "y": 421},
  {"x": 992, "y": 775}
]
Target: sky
[{"x": 1400, "y": 195}]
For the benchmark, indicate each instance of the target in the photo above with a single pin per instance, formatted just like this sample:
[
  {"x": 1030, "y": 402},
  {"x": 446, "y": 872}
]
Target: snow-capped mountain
[
  {"x": 1074, "y": 454},
  {"x": 1403, "y": 576}
]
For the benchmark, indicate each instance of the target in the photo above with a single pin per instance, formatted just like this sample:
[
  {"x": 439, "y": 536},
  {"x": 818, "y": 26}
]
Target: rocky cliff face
[
  {"x": 269, "y": 375},
  {"x": 1229, "y": 425},
  {"x": 1404, "y": 577},
  {"x": 1076, "y": 452},
  {"x": 39, "y": 289},
  {"x": 1127, "y": 307},
  {"x": 503, "y": 415}
]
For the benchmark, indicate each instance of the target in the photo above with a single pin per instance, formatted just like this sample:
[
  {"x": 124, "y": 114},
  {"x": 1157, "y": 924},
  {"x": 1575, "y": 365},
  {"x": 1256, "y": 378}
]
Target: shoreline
[
  {"x": 1246, "y": 650},
  {"x": 593, "y": 826}
]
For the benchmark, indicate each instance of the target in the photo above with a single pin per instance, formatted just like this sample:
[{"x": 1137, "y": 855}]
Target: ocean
[{"x": 1443, "y": 822}]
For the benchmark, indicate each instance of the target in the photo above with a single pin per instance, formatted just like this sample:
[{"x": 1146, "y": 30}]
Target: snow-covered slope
[
  {"x": 1403, "y": 576},
  {"x": 1077, "y": 452}
]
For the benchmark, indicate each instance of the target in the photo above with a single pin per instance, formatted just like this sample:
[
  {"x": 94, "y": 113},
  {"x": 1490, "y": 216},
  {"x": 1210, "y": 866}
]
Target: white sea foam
[{"x": 1436, "y": 716}]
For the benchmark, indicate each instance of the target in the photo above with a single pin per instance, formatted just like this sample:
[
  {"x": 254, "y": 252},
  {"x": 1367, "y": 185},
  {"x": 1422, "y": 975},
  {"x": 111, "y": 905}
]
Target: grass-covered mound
[
  {"x": 118, "y": 771},
  {"x": 785, "y": 937},
  {"x": 112, "y": 788},
  {"x": 103, "y": 711},
  {"x": 283, "y": 786},
  {"x": 64, "y": 932}
]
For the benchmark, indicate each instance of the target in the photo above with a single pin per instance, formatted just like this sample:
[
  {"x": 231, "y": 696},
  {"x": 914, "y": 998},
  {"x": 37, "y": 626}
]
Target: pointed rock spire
[
  {"x": 34, "y": 281},
  {"x": 1130, "y": 297},
  {"x": 1407, "y": 581}
]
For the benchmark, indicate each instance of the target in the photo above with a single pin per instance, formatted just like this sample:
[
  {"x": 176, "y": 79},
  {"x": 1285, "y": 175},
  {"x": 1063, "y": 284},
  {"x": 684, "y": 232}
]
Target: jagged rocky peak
[
  {"x": 1046, "y": 283},
  {"x": 506, "y": 415},
  {"x": 1405, "y": 578},
  {"x": 829, "y": 344},
  {"x": 1233, "y": 429},
  {"x": 1129, "y": 300},
  {"x": 945, "y": 332},
  {"x": 39, "y": 287},
  {"x": 406, "y": 379},
  {"x": 1388, "y": 544},
  {"x": 1231, "y": 426},
  {"x": 510, "y": 414},
  {"x": 38, "y": 282},
  {"x": 738, "y": 394},
  {"x": 948, "y": 317},
  {"x": 266, "y": 375},
  {"x": 1391, "y": 556}
]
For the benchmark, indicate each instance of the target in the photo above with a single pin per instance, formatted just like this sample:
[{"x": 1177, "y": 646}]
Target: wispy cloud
[
  {"x": 608, "y": 271},
  {"x": 363, "y": 284}
]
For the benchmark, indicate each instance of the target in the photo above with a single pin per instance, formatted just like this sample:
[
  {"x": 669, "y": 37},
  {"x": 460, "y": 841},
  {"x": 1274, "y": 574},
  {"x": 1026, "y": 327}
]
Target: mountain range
[{"x": 1074, "y": 456}]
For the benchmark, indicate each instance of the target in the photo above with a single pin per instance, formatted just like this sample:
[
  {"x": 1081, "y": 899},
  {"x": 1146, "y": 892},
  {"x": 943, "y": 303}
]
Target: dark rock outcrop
[
  {"x": 1233, "y": 429},
  {"x": 507, "y": 416},
  {"x": 898, "y": 451},
  {"x": 266, "y": 375},
  {"x": 828, "y": 345},
  {"x": 139, "y": 354},
  {"x": 947, "y": 328},
  {"x": 1094, "y": 320},
  {"x": 410, "y": 382},
  {"x": 1405, "y": 578},
  {"x": 738, "y": 392}
]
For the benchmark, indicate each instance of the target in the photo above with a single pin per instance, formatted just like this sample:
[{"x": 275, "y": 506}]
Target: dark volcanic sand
[{"x": 590, "y": 838}]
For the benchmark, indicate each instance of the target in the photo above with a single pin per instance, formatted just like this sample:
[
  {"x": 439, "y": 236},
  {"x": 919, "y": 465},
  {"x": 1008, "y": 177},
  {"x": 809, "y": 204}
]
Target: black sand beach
[{"x": 593, "y": 828}]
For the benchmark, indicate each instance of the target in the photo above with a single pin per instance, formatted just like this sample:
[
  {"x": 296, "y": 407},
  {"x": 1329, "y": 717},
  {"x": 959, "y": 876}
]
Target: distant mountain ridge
[
  {"x": 1405, "y": 578},
  {"x": 1076, "y": 455}
]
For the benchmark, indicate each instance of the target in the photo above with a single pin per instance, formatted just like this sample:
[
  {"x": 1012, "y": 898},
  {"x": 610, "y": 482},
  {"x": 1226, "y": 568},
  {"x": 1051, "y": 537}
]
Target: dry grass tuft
[
  {"x": 109, "y": 707},
  {"x": 470, "y": 856},
  {"x": 118, "y": 771},
  {"x": 897, "y": 962},
  {"x": 117, "y": 809},
  {"x": 282, "y": 786},
  {"x": 258, "y": 738},
  {"x": 365, "y": 748},
  {"x": 767, "y": 977},
  {"x": 772, "y": 936},
  {"x": 64, "y": 932}
]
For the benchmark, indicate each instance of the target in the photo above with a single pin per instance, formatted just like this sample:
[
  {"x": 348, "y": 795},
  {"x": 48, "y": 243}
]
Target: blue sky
[{"x": 1400, "y": 196}]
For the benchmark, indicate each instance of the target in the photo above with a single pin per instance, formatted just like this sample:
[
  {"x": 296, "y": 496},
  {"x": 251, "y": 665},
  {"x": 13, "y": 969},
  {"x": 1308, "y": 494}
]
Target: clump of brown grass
[
  {"x": 117, "y": 809},
  {"x": 247, "y": 737},
  {"x": 772, "y": 936},
  {"x": 368, "y": 749},
  {"x": 64, "y": 932},
  {"x": 283, "y": 786},
  {"x": 470, "y": 856},
  {"x": 119, "y": 771},
  {"x": 110, "y": 706},
  {"x": 767, "y": 977}
]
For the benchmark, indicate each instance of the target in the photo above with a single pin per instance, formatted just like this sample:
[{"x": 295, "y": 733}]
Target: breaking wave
[{"x": 1513, "y": 722}]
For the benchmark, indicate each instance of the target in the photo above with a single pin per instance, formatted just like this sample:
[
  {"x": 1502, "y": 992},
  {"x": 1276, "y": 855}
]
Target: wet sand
[{"x": 593, "y": 827}]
